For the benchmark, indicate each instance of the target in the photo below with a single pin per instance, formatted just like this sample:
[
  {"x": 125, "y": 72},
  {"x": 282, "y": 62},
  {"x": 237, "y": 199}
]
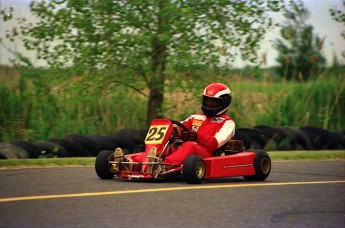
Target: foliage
[
  {"x": 339, "y": 16},
  {"x": 47, "y": 103},
  {"x": 300, "y": 56},
  {"x": 319, "y": 102},
  {"x": 142, "y": 40},
  {"x": 40, "y": 106}
]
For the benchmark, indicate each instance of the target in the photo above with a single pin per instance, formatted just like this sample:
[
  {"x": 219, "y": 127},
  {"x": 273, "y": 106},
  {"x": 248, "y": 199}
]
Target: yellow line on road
[{"x": 24, "y": 198}]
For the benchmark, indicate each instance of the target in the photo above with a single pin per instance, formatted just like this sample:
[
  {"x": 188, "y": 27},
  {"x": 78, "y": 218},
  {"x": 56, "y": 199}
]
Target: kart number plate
[{"x": 156, "y": 134}]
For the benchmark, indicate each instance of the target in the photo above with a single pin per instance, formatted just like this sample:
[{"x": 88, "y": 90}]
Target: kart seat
[{"x": 231, "y": 147}]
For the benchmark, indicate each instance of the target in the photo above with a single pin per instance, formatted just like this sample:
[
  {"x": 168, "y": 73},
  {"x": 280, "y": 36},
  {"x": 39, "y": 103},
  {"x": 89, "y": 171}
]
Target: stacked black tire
[
  {"x": 290, "y": 138},
  {"x": 74, "y": 145},
  {"x": 260, "y": 137}
]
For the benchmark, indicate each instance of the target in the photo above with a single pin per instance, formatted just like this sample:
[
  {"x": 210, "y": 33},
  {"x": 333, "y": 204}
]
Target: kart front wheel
[
  {"x": 194, "y": 169},
  {"x": 103, "y": 168},
  {"x": 262, "y": 166}
]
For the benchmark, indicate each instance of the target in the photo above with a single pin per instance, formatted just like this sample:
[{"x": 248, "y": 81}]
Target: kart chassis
[{"x": 230, "y": 161}]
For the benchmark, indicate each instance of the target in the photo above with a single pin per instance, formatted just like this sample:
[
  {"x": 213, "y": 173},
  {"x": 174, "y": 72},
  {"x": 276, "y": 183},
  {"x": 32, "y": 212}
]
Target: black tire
[
  {"x": 33, "y": 150},
  {"x": 275, "y": 137},
  {"x": 104, "y": 142},
  {"x": 262, "y": 166},
  {"x": 322, "y": 139},
  {"x": 194, "y": 169},
  {"x": 73, "y": 149},
  {"x": 268, "y": 131},
  {"x": 297, "y": 139},
  {"x": 103, "y": 169},
  {"x": 342, "y": 132},
  {"x": 90, "y": 147},
  {"x": 8, "y": 151},
  {"x": 130, "y": 139},
  {"x": 51, "y": 150},
  {"x": 257, "y": 137}
]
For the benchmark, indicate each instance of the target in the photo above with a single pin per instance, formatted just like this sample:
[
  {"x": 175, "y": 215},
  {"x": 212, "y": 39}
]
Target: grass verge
[
  {"x": 90, "y": 161},
  {"x": 308, "y": 155},
  {"x": 46, "y": 162}
]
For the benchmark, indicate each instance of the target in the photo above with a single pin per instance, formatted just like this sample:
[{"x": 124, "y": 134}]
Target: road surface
[{"x": 296, "y": 194}]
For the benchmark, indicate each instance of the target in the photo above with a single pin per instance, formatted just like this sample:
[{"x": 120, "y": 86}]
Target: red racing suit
[{"x": 212, "y": 133}]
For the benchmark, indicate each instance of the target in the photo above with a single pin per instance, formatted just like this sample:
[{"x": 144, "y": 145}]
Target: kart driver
[{"x": 208, "y": 130}]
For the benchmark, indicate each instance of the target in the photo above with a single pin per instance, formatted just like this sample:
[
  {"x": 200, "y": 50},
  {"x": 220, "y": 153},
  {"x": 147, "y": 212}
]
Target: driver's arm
[
  {"x": 224, "y": 134},
  {"x": 188, "y": 123}
]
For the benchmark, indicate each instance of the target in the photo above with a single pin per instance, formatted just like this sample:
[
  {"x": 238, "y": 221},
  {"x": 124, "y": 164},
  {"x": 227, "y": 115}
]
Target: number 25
[{"x": 156, "y": 133}]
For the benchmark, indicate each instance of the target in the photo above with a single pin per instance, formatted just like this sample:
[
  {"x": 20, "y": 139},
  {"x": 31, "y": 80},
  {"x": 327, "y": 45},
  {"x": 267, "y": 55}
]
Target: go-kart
[{"x": 164, "y": 137}]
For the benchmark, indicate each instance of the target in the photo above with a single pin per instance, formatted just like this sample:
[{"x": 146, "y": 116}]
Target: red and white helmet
[{"x": 216, "y": 99}]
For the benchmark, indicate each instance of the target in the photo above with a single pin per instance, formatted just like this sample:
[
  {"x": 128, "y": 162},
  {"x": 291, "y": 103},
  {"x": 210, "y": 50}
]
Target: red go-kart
[{"x": 163, "y": 138}]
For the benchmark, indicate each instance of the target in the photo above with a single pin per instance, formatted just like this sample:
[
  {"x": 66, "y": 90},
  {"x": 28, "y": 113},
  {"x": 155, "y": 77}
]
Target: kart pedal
[
  {"x": 118, "y": 155},
  {"x": 154, "y": 169},
  {"x": 152, "y": 154},
  {"x": 127, "y": 167}
]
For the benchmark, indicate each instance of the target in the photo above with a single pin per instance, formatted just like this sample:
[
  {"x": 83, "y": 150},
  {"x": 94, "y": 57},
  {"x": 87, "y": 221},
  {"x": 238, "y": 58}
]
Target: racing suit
[{"x": 212, "y": 133}]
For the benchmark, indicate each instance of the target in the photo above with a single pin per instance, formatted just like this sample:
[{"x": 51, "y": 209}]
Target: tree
[
  {"x": 339, "y": 16},
  {"x": 145, "y": 38},
  {"x": 300, "y": 55}
]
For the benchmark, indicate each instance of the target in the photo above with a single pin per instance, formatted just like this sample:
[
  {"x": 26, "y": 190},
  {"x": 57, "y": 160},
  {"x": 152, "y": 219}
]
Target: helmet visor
[{"x": 212, "y": 102}]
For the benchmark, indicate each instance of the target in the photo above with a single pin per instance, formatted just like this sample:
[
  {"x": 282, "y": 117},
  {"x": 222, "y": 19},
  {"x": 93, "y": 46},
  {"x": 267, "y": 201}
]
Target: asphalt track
[{"x": 296, "y": 194}]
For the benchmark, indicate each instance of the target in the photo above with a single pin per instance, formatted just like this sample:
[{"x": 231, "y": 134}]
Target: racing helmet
[{"x": 216, "y": 99}]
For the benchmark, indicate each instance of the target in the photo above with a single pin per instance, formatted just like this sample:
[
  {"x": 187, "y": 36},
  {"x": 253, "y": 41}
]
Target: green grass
[
  {"x": 43, "y": 162},
  {"x": 42, "y": 104},
  {"x": 308, "y": 155},
  {"x": 275, "y": 156}
]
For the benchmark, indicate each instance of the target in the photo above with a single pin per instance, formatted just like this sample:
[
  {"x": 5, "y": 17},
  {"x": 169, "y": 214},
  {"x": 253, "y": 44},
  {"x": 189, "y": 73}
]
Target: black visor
[{"x": 212, "y": 102}]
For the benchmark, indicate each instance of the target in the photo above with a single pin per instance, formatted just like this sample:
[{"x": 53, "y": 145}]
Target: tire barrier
[
  {"x": 9, "y": 151},
  {"x": 324, "y": 140},
  {"x": 130, "y": 139},
  {"x": 104, "y": 142},
  {"x": 33, "y": 150},
  {"x": 258, "y": 141},
  {"x": 74, "y": 149},
  {"x": 90, "y": 147},
  {"x": 260, "y": 137},
  {"x": 51, "y": 150}
]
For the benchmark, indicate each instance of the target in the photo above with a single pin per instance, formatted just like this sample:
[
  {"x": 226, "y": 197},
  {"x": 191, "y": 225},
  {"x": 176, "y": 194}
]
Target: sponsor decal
[
  {"x": 195, "y": 128},
  {"x": 217, "y": 119},
  {"x": 197, "y": 122}
]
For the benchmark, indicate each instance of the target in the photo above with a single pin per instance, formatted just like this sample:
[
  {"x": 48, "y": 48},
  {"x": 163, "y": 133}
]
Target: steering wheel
[{"x": 178, "y": 123}]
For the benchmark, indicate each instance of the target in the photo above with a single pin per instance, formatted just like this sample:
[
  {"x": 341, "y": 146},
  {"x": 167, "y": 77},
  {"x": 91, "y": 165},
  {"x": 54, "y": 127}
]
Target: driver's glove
[{"x": 189, "y": 136}]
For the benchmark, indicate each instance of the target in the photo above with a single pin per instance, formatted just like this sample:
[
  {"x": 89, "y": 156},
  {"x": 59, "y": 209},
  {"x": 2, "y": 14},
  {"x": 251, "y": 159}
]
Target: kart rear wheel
[
  {"x": 262, "y": 166},
  {"x": 103, "y": 168},
  {"x": 194, "y": 169}
]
